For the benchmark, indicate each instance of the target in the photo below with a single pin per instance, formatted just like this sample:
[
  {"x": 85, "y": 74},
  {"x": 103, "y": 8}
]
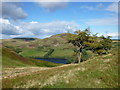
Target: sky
[{"x": 44, "y": 19}]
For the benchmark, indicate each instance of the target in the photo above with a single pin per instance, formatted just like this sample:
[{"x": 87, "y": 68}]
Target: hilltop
[
  {"x": 34, "y": 47},
  {"x": 26, "y": 39},
  {"x": 54, "y": 41}
]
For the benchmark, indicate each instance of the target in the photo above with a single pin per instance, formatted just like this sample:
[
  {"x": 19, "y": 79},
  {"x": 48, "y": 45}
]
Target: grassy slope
[
  {"x": 27, "y": 52},
  {"x": 12, "y": 59},
  {"x": 99, "y": 72},
  {"x": 61, "y": 48},
  {"x": 30, "y": 48},
  {"x": 58, "y": 53}
]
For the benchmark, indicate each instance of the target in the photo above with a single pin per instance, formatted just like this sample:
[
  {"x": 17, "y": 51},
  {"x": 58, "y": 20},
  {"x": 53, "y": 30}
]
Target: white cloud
[
  {"x": 103, "y": 21},
  {"x": 42, "y": 30},
  {"x": 33, "y": 22},
  {"x": 115, "y": 34},
  {"x": 97, "y": 7},
  {"x": 50, "y": 28},
  {"x": 5, "y": 21},
  {"x": 13, "y": 11},
  {"x": 8, "y": 28},
  {"x": 112, "y": 7},
  {"x": 52, "y": 6},
  {"x": 35, "y": 29}
]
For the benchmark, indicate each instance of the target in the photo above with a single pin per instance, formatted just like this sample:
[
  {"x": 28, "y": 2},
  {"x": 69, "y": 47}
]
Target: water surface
[{"x": 55, "y": 60}]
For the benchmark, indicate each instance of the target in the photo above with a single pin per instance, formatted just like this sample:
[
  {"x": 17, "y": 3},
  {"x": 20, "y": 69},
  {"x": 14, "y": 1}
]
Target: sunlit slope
[
  {"x": 12, "y": 59},
  {"x": 39, "y": 47},
  {"x": 98, "y": 72},
  {"x": 55, "y": 41}
]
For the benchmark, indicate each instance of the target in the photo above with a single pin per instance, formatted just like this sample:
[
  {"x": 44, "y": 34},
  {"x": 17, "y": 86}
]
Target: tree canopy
[{"x": 85, "y": 40}]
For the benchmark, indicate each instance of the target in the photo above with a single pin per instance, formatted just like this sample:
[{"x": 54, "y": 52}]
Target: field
[
  {"x": 59, "y": 45},
  {"x": 58, "y": 53},
  {"x": 20, "y": 71},
  {"x": 98, "y": 72},
  {"x": 39, "y": 47},
  {"x": 12, "y": 59}
]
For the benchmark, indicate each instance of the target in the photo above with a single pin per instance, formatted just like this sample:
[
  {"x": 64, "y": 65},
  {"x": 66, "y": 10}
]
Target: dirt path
[
  {"x": 13, "y": 72},
  {"x": 22, "y": 71}
]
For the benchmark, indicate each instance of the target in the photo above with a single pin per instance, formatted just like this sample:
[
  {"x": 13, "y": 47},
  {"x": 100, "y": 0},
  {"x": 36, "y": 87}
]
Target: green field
[
  {"x": 58, "y": 53},
  {"x": 31, "y": 48},
  {"x": 12, "y": 59},
  {"x": 98, "y": 72},
  {"x": 32, "y": 52},
  {"x": 20, "y": 71}
]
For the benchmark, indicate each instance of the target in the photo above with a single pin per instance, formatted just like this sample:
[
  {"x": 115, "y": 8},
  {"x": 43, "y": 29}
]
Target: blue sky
[{"x": 41, "y": 20}]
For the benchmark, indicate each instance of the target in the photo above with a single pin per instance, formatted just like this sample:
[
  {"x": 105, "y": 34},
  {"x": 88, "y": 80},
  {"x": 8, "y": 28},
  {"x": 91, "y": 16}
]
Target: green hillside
[
  {"x": 39, "y": 47},
  {"x": 98, "y": 72},
  {"x": 12, "y": 59}
]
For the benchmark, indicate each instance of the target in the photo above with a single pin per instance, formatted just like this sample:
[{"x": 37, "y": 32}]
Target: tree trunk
[{"x": 79, "y": 57}]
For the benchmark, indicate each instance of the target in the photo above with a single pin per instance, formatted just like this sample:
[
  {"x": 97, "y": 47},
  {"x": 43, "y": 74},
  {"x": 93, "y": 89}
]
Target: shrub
[
  {"x": 86, "y": 54},
  {"x": 49, "y": 53},
  {"x": 18, "y": 50},
  {"x": 100, "y": 52},
  {"x": 72, "y": 59}
]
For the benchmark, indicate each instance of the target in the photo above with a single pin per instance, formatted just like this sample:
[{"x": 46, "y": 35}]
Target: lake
[{"x": 55, "y": 60}]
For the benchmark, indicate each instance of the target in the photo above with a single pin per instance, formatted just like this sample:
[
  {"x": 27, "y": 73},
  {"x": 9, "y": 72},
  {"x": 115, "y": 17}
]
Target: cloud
[
  {"x": 112, "y": 7},
  {"x": 97, "y": 7},
  {"x": 13, "y": 11},
  {"x": 5, "y": 21},
  {"x": 8, "y": 28},
  {"x": 2, "y": 36},
  {"x": 102, "y": 21},
  {"x": 114, "y": 35},
  {"x": 50, "y": 28},
  {"x": 52, "y": 6},
  {"x": 35, "y": 29}
]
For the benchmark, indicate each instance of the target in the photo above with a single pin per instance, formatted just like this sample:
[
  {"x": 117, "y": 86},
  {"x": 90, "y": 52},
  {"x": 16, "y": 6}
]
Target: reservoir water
[{"x": 55, "y": 60}]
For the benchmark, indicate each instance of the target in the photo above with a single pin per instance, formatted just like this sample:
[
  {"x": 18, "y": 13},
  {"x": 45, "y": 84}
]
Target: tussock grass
[{"x": 98, "y": 72}]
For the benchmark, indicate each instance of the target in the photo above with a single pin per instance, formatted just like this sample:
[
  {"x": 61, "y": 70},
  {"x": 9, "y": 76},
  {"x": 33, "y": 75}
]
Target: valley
[{"x": 22, "y": 71}]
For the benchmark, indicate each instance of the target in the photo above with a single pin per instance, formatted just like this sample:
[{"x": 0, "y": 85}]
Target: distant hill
[
  {"x": 54, "y": 41},
  {"x": 116, "y": 39},
  {"x": 26, "y": 39},
  {"x": 38, "y": 47}
]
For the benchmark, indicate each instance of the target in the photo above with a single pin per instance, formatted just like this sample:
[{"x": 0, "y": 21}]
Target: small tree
[
  {"x": 49, "y": 53},
  {"x": 84, "y": 40},
  {"x": 78, "y": 40},
  {"x": 18, "y": 50}
]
